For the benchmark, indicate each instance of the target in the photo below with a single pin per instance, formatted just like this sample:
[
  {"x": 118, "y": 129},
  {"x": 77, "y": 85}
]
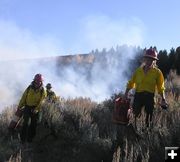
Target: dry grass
[{"x": 79, "y": 130}]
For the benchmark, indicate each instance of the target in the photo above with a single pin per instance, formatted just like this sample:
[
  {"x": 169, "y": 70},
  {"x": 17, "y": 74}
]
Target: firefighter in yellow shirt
[
  {"x": 30, "y": 102},
  {"x": 146, "y": 80},
  {"x": 51, "y": 96}
]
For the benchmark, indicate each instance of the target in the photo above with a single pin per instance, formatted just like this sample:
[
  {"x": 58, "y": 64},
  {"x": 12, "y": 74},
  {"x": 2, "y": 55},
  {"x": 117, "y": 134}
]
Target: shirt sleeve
[
  {"x": 22, "y": 101},
  {"x": 160, "y": 82},
  {"x": 131, "y": 82}
]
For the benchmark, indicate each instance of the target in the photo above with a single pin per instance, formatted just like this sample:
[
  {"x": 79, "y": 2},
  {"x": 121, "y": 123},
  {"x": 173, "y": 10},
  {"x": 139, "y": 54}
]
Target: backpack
[{"x": 122, "y": 111}]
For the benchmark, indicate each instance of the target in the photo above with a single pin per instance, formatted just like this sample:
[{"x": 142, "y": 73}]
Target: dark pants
[
  {"x": 28, "y": 131},
  {"x": 145, "y": 99}
]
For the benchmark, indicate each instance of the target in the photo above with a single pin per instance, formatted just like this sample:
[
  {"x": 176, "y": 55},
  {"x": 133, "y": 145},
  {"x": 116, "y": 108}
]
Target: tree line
[{"x": 166, "y": 62}]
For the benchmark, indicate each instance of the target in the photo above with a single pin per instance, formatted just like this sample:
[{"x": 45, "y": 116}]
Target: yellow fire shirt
[{"x": 151, "y": 81}]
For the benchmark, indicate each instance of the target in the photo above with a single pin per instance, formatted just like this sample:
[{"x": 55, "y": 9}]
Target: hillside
[{"x": 79, "y": 130}]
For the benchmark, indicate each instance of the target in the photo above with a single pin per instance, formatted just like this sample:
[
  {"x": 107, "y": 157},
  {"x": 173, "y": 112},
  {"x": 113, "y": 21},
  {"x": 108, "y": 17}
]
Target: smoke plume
[{"x": 96, "y": 75}]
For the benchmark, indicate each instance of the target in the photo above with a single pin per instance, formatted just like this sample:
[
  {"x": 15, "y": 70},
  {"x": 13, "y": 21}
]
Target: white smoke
[
  {"x": 20, "y": 47},
  {"x": 18, "y": 50}
]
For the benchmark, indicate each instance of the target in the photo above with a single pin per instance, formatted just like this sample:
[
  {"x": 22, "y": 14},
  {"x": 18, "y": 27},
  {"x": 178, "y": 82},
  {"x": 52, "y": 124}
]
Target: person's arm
[
  {"x": 161, "y": 87},
  {"x": 54, "y": 97},
  {"x": 126, "y": 92},
  {"x": 22, "y": 101},
  {"x": 163, "y": 96},
  {"x": 130, "y": 85}
]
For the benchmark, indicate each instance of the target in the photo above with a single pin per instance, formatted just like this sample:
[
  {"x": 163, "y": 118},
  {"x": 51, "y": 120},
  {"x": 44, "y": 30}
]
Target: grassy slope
[{"x": 79, "y": 130}]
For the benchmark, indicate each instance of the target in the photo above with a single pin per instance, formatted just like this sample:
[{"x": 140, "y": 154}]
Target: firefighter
[
  {"x": 30, "y": 102},
  {"x": 51, "y": 96},
  {"x": 147, "y": 79}
]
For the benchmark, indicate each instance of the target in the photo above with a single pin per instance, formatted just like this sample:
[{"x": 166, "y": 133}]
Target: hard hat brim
[{"x": 155, "y": 58}]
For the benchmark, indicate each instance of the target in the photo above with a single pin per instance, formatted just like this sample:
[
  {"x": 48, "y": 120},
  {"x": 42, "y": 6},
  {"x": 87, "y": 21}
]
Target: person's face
[
  {"x": 148, "y": 61},
  {"x": 37, "y": 84}
]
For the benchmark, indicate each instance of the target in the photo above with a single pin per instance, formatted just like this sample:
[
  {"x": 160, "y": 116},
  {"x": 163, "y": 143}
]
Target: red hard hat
[
  {"x": 38, "y": 78},
  {"x": 151, "y": 53}
]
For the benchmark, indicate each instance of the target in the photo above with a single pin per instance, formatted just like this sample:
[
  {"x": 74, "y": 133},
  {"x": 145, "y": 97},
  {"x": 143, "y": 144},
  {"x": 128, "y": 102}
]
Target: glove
[
  {"x": 35, "y": 111},
  {"x": 164, "y": 104}
]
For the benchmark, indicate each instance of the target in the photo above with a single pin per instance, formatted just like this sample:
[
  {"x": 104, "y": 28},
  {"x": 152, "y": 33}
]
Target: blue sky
[{"x": 41, "y": 28}]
